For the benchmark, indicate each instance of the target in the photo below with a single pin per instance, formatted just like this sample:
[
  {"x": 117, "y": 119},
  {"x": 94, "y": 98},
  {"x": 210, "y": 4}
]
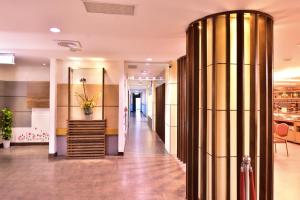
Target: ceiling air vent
[
  {"x": 72, "y": 45},
  {"x": 108, "y": 8},
  {"x": 132, "y": 66}
]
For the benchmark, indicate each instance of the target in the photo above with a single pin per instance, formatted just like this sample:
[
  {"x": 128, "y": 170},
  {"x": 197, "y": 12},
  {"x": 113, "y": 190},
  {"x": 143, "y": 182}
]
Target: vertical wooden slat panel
[
  {"x": 240, "y": 94},
  {"x": 203, "y": 133},
  {"x": 213, "y": 111},
  {"x": 228, "y": 107},
  {"x": 103, "y": 93},
  {"x": 181, "y": 105},
  {"x": 160, "y": 112},
  {"x": 263, "y": 110},
  {"x": 69, "y": 92},
  {"x": 178, "y": 109},
  {"x": 253, "y": 118},
  {"x": 261, "y": 62},
  {"x": 184, "y": 81},
  {"x": 269, "y": 79},
  {"x": 192, "y": 111}
]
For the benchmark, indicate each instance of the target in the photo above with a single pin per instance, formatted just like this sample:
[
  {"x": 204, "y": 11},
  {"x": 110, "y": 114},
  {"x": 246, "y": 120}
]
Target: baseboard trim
[
  {"x": 52, "y": 155},
  {"x": 28, "y": 143},
  {"x": 120, "y": 153}
]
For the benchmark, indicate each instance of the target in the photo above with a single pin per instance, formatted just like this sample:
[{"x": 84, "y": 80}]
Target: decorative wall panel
[{"x": 229, "y": 103}]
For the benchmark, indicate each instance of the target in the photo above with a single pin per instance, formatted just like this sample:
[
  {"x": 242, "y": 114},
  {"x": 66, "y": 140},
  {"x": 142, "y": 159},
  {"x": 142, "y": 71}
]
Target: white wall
[
  {"x": 24, "y": 72},
  {"x": 171, "y": 109}
]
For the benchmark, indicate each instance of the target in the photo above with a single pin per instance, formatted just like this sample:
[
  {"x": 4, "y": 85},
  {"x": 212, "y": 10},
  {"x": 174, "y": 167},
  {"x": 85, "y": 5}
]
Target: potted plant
[
  {"x": 6, "y": 126},
  {"x": 87, "y": 104}
]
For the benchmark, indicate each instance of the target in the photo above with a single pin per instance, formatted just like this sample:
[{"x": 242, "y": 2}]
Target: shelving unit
[{"x": 287, "y": 110}]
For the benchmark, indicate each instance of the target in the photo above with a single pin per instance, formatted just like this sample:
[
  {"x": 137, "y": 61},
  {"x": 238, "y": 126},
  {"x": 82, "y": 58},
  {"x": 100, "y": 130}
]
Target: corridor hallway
[
  {"x": 145, "y": 172},
  {"x": 151, "y": 172},
  {"x": 141, "y": 140}
]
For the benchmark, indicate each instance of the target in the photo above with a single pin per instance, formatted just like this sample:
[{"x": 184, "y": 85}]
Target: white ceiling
[
  {"x": 157, "y": 29},
  {"x": 145, "y": 72}
]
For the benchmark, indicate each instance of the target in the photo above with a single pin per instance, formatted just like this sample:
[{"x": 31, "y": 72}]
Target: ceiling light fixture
[
  {"x": 44, "y": 64},
  {"x": 7, "y": 58},
  {"x": 55, "y": 30},
  {"x": 149, "y": 59},
  {"x": 96, "y": 59}
]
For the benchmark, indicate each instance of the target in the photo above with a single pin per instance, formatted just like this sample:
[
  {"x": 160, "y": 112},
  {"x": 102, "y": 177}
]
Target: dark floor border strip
[{"x": 26, "y": 144}]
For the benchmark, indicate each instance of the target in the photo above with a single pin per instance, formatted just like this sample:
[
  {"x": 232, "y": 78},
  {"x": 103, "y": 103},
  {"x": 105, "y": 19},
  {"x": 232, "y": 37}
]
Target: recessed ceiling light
[
  {"x": 44, "y": 64},
  {"x": 149, "y": 59},
  {"x": 55, "y": 30}
]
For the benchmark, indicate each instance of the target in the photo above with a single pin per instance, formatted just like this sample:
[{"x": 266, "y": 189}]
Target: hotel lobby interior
[{"x": 149, "y": 100}]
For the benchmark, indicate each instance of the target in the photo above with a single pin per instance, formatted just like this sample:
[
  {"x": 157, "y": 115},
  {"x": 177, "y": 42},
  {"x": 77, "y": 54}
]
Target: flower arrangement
[{"x": 87, "y": 104}]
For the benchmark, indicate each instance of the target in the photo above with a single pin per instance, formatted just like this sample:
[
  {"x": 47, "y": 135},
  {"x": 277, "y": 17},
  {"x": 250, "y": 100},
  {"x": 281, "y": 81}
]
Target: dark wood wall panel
[
  {"x": 240, "y": 96},
  {"x": 192, "y": 99},
  {"x": 160, "y": 112},
  {"x": 181, "y": 107}
]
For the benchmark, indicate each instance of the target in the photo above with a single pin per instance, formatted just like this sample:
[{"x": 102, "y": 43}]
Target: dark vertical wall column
[
  {"x": 192, "y": 98},
  {"x": 160, "y": 112},
  {"x": 229, "y": 104},
  {"x": 181, "y": 107}
]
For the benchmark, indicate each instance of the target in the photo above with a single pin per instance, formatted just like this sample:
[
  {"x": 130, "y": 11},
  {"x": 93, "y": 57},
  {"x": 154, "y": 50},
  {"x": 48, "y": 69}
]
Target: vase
[
  {"x": 6, "y": 144},
  {"x": 88, "y": 111}
]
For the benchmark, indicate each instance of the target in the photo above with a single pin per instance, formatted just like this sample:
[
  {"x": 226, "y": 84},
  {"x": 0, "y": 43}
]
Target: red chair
[{"x": 281, "y": 133}]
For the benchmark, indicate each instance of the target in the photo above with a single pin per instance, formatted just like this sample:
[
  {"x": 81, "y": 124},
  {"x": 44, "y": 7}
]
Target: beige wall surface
[
  {"x": 24, "y": 73},
  {"x": 171, "y": 109}
]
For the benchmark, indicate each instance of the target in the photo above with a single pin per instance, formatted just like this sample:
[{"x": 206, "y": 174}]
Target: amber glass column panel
[
  {"x": 234, "y": 69},
  {"x": 181, "y": 106}
]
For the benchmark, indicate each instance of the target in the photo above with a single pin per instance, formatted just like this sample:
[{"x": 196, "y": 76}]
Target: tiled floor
[
  {"x": 146, "y": 172},
  {"x": 287, "y": 173}
]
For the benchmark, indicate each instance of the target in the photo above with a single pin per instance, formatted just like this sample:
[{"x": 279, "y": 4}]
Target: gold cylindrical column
[{"x": 230, "y": 60}]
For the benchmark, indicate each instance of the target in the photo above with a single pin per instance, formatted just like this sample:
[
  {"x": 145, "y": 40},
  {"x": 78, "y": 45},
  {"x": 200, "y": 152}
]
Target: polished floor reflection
[
  {"x": 287, "y": 172},
  {"x": 145, "y": 172}
]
